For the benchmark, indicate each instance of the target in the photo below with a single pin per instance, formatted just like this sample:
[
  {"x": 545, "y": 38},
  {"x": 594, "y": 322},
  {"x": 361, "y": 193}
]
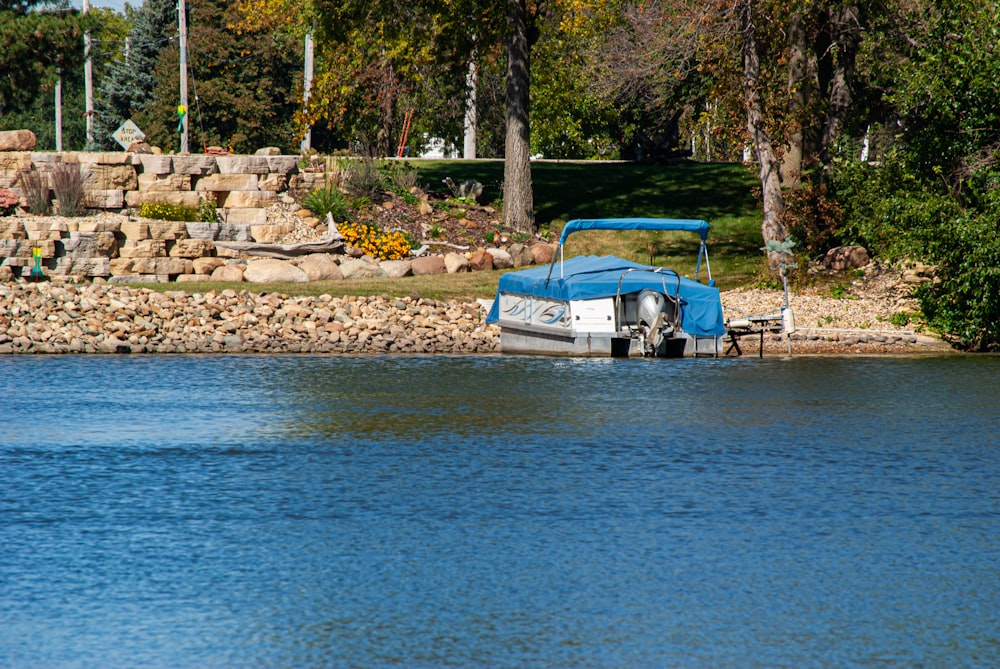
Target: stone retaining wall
[{"x": 244, "y": 189}]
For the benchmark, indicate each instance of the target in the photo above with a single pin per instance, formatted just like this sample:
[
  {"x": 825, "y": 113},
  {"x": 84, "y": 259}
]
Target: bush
[
  {"x": 402, "y": 177},
  {"x": 329, "y": 200},
  {"x": 36, "y": 191},
  {"x": 897, "y": 215},
  {"x": 67, "y": 183},
  {"x": 811, "y": 217},
  {"x": 376, "y": 242},
  {"x": 361, "y": 176},
  {"x": 164, "y": 211},
  {"x": 208, "y": 211}
]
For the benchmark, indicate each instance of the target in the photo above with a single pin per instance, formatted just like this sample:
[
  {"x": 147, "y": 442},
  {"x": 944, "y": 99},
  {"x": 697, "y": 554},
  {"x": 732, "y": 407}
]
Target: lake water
[{"x": 293, "y": 511}]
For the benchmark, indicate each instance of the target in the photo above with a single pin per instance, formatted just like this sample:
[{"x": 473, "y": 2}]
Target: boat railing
[{"x": 662, "y": 271}]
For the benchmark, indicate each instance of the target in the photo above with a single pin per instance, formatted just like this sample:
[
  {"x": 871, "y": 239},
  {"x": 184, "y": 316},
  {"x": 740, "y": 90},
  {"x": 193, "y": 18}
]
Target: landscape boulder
[
  {"x": 425, "y": 265},
  {"x": 228, "y": 273},
  {"x": 846, "y": 257},
  {"x": 396, "y": 269},
  {"x": 481, "y": 260},
  {"x": 521, "y": 255},
  {"x": 355, "y": 268},
  {"x": 320, "y": 267},
  {"x": 501, "y": 259},
  {"x": 456, "y": 262},
  {"x": 542, "y": 253},
  {"x": 17, "y": 140},
  {"x": 272, "y": 270}
]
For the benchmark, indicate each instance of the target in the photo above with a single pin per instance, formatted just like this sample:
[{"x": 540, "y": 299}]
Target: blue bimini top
[
  {"x": 657, "y": 224},
  {"x": 590, "y": 277}
]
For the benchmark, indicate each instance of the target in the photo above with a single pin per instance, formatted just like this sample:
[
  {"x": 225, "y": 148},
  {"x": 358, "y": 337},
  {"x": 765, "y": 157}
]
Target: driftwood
[
  {"x": 333, "y": 242},
  {"x": 285, "y": 251}
]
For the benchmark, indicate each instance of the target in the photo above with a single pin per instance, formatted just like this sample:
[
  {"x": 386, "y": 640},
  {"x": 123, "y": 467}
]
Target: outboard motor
[{"x": 656, "y": 314}]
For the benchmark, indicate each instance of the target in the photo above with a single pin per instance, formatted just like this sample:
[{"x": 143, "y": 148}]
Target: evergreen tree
[
  {"x": 130, "y": 80},
  {"x": 37, "y": 40}
]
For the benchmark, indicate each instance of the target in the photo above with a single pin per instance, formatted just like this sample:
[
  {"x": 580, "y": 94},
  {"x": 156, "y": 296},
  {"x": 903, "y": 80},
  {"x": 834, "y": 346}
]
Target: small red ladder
[{"x": 406, "y": 132}]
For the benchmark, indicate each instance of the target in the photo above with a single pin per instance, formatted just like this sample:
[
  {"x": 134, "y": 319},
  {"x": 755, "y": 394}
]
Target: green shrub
[
  {"x": 401, "y": 177},
  {"x": 164, "y": 211},
  {"x": 208, "y": 211},
  {"x": 898, "y": 215},
  {"x": 329, "y": 200}
]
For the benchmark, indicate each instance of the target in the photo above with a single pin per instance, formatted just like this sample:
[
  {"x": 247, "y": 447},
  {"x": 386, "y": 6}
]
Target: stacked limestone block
[
  {"x": 241, "y": 187},
  {"x": 68, "y": 248}
]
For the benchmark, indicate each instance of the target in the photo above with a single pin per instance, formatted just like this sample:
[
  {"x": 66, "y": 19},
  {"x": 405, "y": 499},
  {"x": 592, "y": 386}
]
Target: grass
[
  {"x": 464, "y": 287},
  {"x": 720, "y": 193}
]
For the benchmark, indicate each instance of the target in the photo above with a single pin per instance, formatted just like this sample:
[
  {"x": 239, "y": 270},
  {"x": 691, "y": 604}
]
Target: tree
[
  {"x": 37, "y": 41},
  {"x": 242, "y": 86},
  {"x": 128, "y": 84},
  {"x": 518, "y": 202},
  {"x": 781, "y": 69},
  {"x": 934, "y": 195}
]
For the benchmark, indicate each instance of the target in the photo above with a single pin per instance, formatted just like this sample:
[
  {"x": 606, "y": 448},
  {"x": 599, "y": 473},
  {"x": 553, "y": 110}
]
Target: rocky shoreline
[
  {"x": 55, "y": 318},
  {"x": 95, "y": 318}
]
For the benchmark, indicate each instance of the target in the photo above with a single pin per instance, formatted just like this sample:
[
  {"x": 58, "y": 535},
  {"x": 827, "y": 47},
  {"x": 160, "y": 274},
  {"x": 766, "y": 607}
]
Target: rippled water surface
[{"x": 499, "y": 512}]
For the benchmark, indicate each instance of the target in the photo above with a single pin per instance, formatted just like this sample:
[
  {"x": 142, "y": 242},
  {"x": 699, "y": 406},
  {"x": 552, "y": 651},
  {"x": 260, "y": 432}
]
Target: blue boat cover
[
  {"x": 657, "y": 224},
  {"x": 590, "y": 277}
]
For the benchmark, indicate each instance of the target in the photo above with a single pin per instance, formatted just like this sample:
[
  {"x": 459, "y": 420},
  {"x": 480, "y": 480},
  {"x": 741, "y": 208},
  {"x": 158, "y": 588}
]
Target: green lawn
[{"x": 720, "y": 193}]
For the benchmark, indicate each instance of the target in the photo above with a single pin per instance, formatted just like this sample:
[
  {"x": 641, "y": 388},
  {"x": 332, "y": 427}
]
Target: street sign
[{"x": 128, "y": 133}]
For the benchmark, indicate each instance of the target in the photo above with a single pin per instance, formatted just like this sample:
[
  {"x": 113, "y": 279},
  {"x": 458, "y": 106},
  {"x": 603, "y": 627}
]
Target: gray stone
[
  {"x": 846, "y": 257},
  {"x": 282, "y": 164},
  {"x": 202, "y": 230},
  {"x": 242, "y": 164},
  {"x": 521, "y": 255},
  {"x": 195, "y": 165},
  {"x": 156, "y": 164},
  {"x": 501, "y": 259}
]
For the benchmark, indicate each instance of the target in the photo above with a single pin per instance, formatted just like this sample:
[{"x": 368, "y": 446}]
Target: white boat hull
[{"x": 542, "y": 326}]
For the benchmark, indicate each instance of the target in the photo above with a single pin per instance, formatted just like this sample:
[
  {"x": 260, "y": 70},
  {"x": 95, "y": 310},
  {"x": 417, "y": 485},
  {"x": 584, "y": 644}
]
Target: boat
[{"x": 604, "y": 306}]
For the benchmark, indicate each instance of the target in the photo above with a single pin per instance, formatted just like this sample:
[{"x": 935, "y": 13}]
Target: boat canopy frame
[{"x": 696, "y": 226}]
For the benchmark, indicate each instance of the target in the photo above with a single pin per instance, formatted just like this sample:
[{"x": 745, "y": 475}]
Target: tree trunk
[
  {"x": 800, "y": 91},
  {"x": 518, "y": 204},
  {"x": 772, "y": 228},
  {"x": 845, "y": 29}
]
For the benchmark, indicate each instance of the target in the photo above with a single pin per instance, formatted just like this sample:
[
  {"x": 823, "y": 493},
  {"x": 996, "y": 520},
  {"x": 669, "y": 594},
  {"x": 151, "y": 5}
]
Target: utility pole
[
  {"x": 59, "y": 113},
  {"x": 88, "y": 83},
  {"x": 182, "y": 108},
  {"x": 307, "y": 88}
]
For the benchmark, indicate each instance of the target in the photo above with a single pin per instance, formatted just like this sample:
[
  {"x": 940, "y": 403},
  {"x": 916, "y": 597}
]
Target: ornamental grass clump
[
  {"x": 36, "y": 191},
  {"x": 67, "y": 183},
  {"x": 374, "y": 241}
]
